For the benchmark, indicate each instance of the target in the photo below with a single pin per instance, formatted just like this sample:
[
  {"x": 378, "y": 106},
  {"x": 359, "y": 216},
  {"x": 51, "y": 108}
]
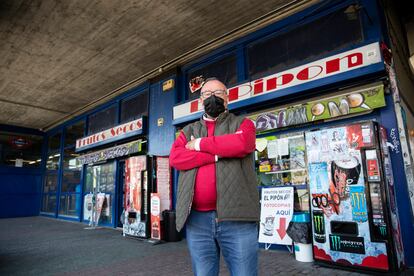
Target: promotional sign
[
  {"x": 155, "y": 216},
  {"x": 87, "y": 207},
  {"x": 276, "y": 83},
  {"x": 353, "y": 102},
  {"x": 275, "y": 215},
  {"x": 134, "y": 171},
  {"x": 110, "y": 153},
  {"x": 110, "y": 135},
  {"x": 347, "y": 244},
  {"x": 164, "y": 182},
  {"x": 359, "y": 204}
]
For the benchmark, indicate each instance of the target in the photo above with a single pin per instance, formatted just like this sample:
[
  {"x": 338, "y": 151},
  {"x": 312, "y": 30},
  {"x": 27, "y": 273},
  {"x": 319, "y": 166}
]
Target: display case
[{"x": 281, "y": 161}]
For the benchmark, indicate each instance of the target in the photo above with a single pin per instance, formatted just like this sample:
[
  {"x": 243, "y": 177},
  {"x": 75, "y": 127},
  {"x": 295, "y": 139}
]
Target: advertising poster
[
  {"x": 134, "y": 167},
  {"x": 164, "y": 182},
  {"x": 275, "y": 215},
  {"x": 155, "y": 216},
  {"x": 87, "y": 207}
]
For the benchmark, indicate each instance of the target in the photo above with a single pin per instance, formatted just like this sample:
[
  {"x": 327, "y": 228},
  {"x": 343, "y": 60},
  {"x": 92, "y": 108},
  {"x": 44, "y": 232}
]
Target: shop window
[
  {"x": 74, "y": 132},
  {"x": 50, "y": 183},
  {"x": 224, "y": 69},
  {"x": 304, "y": 43},
  {"x": 52, "y": 162},
  {"x": 102, "y": 120},
  {"x": 54, "y": 143},
  {"x": 134, "y": 107},
  {"x": 71, "y": 181},
  {"x": 70, "y": 205},
  {"x": 20, "y": 150},
  {"x": 49, "y": 204},
  {"x": 69, "y": 160}
]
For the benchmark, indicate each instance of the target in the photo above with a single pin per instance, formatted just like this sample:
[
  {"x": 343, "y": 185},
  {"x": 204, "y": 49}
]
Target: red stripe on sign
[
  {"x": 233, "y": 94},
  {"x": 194, "y": 106}
]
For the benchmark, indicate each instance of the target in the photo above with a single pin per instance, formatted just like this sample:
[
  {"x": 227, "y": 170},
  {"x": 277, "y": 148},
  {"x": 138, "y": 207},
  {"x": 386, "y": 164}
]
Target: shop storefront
[{"x": 320, "y": 90}]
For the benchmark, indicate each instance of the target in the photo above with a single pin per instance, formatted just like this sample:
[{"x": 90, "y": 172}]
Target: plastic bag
[{"x": 300, "y": 232}]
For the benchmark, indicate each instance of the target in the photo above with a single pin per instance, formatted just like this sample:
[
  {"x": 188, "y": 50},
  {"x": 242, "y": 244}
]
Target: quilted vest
[{"x": 236, "y": 184}]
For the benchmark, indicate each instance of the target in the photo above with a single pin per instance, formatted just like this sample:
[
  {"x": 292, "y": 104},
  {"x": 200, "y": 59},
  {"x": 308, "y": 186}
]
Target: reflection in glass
[
  {"x": 54, "y": 143},
  {"x": 52, "y": 162},
  {"x": 71, "y": 181},
  {"x": 74, "y": 132},
  {"x": 49, "y": 204},
  {"x": 50, "y": 184},
  {"x": 70, "y": 205},
  {"x": 69, "y": 160}
]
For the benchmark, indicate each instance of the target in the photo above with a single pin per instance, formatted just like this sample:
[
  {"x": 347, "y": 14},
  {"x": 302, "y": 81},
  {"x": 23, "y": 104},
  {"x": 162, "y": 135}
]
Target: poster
[
  {"x": 275, "y": 215},
  {"x": 135, "y": 168},
  {"x": 164, "y": 182},
  {"x": 155, "y": 216},
  {"x": 87, "y": 207}
]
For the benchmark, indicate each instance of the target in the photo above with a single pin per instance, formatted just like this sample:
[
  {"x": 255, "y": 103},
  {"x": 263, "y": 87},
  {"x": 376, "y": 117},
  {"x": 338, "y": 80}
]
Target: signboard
[
  {"x": 155, "y": 216},
  {"x": 164, "y": 182},
  {"x": 110, "y": 135},
  {"x": 275, "y": 215},
  {"x": 355, "y": 101},
  {"x": 110, "y": 153},
  {"x": 337, "y": 64}
]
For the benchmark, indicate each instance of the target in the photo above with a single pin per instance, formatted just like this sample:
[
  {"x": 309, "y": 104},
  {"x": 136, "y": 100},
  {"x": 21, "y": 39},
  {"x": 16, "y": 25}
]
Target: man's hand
[{"x": 190, "y": 145}]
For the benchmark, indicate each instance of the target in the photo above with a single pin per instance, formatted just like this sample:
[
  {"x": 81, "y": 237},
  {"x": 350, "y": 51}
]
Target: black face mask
[{"x": 214, "y": 106}]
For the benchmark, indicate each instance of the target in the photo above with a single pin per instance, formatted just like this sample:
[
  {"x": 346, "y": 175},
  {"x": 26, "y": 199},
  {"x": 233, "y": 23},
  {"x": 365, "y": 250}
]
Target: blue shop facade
[{"x": 325, "y": 68}]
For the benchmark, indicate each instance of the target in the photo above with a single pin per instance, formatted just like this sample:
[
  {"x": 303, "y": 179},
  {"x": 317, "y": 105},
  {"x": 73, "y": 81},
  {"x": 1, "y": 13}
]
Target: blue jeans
[{"x": 207, "y": 238}]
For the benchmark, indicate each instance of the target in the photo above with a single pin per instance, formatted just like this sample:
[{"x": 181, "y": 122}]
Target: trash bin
[
  {"x": 299, "y": 230},
  {"x": 170, "y": 232}
]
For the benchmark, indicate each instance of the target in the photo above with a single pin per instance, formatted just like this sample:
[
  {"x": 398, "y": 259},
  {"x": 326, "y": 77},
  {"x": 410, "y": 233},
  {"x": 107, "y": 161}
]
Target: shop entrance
[{"x": 120, "y": 193}]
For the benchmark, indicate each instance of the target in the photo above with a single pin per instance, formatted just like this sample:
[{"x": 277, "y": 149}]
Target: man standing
[{"x": 217, "y": 196}]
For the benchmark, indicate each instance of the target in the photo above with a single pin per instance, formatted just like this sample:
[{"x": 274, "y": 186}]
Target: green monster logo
[
  {"x": 318, "y": 220},
  {"x": 383, "y": 230},
  {"x": 336, "y": 243}
]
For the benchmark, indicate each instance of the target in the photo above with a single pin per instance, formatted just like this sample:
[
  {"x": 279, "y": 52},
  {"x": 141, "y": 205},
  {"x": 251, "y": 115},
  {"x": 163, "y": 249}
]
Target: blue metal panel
[
  {"x": 389, "y": 121},
  {"x": 160, "y": 138},
  {"x": 19, "y": 192}
]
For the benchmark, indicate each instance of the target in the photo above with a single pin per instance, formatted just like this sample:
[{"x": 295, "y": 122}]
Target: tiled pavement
[{"x": 44, "y": 246}]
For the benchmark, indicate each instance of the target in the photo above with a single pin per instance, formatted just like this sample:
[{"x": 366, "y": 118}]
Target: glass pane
[
  {"x": 280, "y": 52},
  {"x": 52, "y": 162},
  {"x": 54, "y": 143},
  {"x": 50, "y": 184},
  {"x": 224, "y": 69},
  {"x": 49, "y": 204},
  {"x": 283, "y": 162},
  {"x": 20, "y": 150},
  {"x": 135, "y": 107},
  {"x": 74, "y": 132},
  {"x": 71, "y": 181},
  {"x": 101, "y": 177},
  {"x": 70, "y": 161},
  {"x": 102, "y": 120},
  {"x": 70, "y": 205}
]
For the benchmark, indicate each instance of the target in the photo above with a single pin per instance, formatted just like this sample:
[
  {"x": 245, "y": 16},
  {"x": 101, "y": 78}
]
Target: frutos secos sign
[
  {"x": 109, "y": 135},
  {"x": 323, "y": 68}
]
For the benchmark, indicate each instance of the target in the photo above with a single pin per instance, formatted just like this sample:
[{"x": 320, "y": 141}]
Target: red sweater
[{"x": 235, "y": 145}]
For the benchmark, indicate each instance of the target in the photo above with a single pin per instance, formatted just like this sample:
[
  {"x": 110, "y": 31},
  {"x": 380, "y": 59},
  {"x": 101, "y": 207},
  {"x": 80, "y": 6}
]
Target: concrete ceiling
[{"x": 57, "y": 57}]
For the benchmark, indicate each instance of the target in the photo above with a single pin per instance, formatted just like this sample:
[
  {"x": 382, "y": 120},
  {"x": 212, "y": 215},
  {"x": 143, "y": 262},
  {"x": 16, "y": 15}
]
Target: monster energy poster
[
  {"x": 347, "y": 244},
  {"x": 359, "y": 204}
]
